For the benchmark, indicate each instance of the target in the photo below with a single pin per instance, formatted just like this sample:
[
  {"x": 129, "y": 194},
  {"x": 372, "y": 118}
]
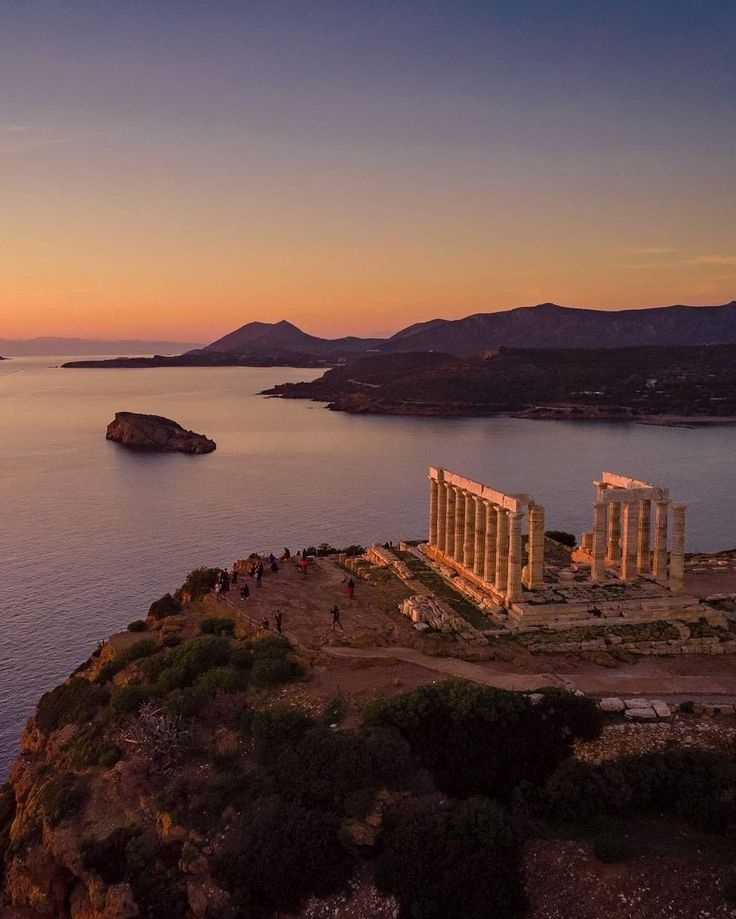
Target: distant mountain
[
  {"x": 551, "y": 326},
  {"x": 270, "y": 337},
  {"x": 47, "y": 347}
]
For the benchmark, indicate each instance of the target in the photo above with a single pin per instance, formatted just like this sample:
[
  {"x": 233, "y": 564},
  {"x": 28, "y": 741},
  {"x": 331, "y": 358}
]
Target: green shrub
[
  {"x": 221, "y": 679},
  {"x": 110, "y": 669},
  {"x": 106, "y": 857},
  {"x": 137, "y": 625},
  {"x": 200, "y": 582},
  {"x": 185, "y": 703},
  {"x": 126, "y": 700},
  {"x": 273, "y": 728},
  {"x": 217, "y": 626},
  {"x": 171, "y": 640},
  {"x": 70, "y": 703},
  {"x": 241, "y": 658},
  {"x": 152, "y": 667},
  {"x": 269, "y": 672},
  {"x": 277, "y": 855},
  {"x": 153, "y": 874},
  {"x": 273, "y": 662},
  {"x": 165, "y": 606},
  {"x": 193, "y": 658},
  {"x": 337, "y": 771},
  {"x": 460, "y": 861},
  {"x": 696, "y": 785},
  {"x": 478, "y": 740},
  {"x": 62, "y": 797},
  {"x": 92, "y": 748},
  {"x": 143, "y": 648},
  {"x": 688, "y": 707},
  {"x": 335, "y": 710}
]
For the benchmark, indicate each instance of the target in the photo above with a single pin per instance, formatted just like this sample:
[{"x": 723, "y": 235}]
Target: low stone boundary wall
[{"x": 711, "y": 645}]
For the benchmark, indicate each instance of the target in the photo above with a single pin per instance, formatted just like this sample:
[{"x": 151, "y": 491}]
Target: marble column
[
  {"x": 480, "y": 538},
  {"x": 457, "y": 551},
  {"x": 644, "y": 538},
  {"x": 614, "y": 533},
  {"x": 677, "y": 552},
  {"x": 659, "y": 560},
  {"x": 434, "y": 488},
  {"x": 630, "y": 529},
  {"x": 513, "y": 580},
  {"x": 441, "y": 516},
  {"x": 502, "y": 549},
  {"x": 450, "y": 521},
  {"x": 600, "y": 535},
  {"x": 535, "y": 565},
  {"x": 469, "y": 540},
  {"x": 489, "y": 561}
]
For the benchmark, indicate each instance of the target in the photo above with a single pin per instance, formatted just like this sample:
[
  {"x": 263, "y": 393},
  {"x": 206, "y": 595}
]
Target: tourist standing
[
  {"x": 351, "y": 589},
  {"x": 336, "y": 624},
  {"x": 244, "y": 592},
  {"x": 279, "y": 620}
]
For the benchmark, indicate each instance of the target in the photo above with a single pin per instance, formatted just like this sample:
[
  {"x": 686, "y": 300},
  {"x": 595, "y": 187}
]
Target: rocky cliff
[{"x": 154, "y": 433}]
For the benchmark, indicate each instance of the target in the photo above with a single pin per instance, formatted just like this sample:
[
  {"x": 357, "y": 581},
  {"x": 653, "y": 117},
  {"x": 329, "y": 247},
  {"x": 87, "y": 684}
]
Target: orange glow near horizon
[{"x": 175, "y": 172}]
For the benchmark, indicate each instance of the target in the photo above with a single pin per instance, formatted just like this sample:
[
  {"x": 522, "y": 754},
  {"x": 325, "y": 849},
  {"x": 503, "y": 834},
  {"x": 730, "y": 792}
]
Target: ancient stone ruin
[{"x": 494, "y": 544}]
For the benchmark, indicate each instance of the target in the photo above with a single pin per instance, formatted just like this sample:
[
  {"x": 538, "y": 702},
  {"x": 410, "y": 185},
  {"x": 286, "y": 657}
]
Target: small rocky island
[{"x": 156, "y": 434}]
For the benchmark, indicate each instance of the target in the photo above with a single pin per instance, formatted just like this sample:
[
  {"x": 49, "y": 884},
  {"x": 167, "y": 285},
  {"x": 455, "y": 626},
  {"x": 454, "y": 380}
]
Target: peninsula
[
  {"x": 647, "y": 384},
  {"x": 154, "y": 433}
]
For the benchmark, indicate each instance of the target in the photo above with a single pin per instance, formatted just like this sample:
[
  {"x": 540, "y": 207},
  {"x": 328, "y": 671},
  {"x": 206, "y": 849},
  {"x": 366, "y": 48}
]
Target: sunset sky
[{"x": 176, "y": 169}]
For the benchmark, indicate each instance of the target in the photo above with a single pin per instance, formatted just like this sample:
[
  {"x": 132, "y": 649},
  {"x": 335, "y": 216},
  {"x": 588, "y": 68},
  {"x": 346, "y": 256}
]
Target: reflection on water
[{"x": 90, "y": 534}]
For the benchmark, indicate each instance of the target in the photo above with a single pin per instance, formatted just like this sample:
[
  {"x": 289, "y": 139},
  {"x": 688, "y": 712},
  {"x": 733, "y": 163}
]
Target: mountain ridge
[{"x": 549, "y": 325}]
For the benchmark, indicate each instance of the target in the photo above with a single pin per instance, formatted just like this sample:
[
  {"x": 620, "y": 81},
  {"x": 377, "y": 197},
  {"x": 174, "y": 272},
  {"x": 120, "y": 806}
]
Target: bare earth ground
[{"x": 379, "y": 649}]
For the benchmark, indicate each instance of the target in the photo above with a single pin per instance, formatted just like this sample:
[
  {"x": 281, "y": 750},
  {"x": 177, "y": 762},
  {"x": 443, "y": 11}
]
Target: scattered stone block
[
  {"x": 662, "y": 710},
  {"x": 641, "y": 714},
  {"x": 637, "y": 703},
  {"x": 611, "y": 704}
]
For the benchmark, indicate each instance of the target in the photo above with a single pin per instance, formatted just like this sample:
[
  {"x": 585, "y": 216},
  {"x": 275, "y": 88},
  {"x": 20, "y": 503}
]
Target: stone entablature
[{"x": 636, "y": 555}]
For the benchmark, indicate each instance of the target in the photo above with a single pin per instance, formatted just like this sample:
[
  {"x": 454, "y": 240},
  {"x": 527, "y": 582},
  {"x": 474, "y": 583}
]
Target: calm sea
[{"x": 90, "y": 534}]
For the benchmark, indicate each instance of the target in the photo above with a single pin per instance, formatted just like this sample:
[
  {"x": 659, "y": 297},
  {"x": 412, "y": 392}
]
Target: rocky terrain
[
  {"x": 156, "y": 434},
  {"x": 667, "y": 384},
  {"x": 201, "y": 765}
]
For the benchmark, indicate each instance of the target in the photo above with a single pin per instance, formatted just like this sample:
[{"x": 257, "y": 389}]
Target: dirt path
[{"x": 621, "y": 681}]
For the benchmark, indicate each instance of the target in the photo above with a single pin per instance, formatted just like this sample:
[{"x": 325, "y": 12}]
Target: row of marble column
[
  {"x": 485, "y": 538},
  {"x": 622, "y": 536}
]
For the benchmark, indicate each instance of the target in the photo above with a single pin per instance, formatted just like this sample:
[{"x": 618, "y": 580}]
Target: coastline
[{"x": 537, "y": 413}]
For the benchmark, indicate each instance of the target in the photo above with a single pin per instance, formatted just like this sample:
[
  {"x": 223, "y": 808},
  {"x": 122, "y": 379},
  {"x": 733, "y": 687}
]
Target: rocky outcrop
[{"x": 154, "y": 433}]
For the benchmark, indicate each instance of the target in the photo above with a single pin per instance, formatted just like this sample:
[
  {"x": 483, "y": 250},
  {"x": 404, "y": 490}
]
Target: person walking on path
[
  {"x": 351, "y": 589},
  {"x": 244, "y": 592},
  {"x": 259, "y": 575},
  {"x": 235, "y": 576},
  {"x": 336, "y": 624},
  {"x": 218, "y": 591},
  {"x": 279, "y": 620}
]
